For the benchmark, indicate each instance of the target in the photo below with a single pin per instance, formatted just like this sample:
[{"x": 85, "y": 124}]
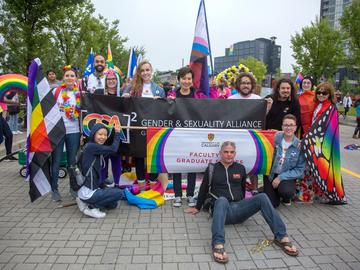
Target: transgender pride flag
[{"x": 200, "y": 51}]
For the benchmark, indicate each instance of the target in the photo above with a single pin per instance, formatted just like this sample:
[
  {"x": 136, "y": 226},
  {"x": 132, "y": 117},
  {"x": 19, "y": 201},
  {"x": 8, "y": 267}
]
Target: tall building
[
  {"x": 262, "y": 49},
  {"x": 333, "y": 11}
]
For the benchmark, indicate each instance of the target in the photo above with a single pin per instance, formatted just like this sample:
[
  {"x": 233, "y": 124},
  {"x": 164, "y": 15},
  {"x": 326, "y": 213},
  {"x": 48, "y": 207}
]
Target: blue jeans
[
  {"x": 13, "y": 122},
  {"x": 106, "y": 198},
  {"x": 72, "y": 142},
  {"x": 238, "y": 212}
]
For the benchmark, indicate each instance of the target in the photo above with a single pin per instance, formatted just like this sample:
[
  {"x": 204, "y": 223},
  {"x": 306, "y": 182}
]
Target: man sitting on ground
[{"x": 229, "y": 206}]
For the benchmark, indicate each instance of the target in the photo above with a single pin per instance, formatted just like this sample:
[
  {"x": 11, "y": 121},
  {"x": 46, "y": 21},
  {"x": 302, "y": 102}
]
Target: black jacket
[
  {"x": 93, "y": 151},
  {"x": 228, "y": 183}
]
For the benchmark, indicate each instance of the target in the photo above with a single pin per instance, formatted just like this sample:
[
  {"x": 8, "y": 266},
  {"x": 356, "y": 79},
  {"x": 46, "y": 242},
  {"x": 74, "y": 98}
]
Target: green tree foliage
[
  {"x": 350, "y": 24},
  {"x": 318, "y": 49},
  {"x": 62, "y": 32},
  {"x": 257, "y": 67}
]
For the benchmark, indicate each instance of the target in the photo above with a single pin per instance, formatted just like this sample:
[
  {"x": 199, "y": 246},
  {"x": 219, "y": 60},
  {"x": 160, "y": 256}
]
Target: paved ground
[{"x": 40, "y": 236}]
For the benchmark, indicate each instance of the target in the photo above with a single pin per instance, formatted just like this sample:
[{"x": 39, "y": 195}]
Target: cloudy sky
[{"x": 166, "y": 27}]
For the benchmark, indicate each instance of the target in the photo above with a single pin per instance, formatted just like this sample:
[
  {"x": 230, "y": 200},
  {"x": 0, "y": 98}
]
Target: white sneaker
[
  {"x": 19, "y": 132},
  {"x": 15, "y": 132},
  {"x": 95, "y": 213},
  {"x": 82, "y": 206},
  {"x": 191, "y": 201},
  {"x": 177, "y": 202}
]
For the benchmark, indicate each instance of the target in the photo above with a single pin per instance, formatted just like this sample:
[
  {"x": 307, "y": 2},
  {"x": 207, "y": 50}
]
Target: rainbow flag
[
  {"x": 45, "y": 130},
  {"x": 200, "y": 51},
  {"x": 109, "y": 61},
  {"x": 16, "y": 82},
  {"x": 298, "y": 80},
  {"x": 321, "y": 146}
]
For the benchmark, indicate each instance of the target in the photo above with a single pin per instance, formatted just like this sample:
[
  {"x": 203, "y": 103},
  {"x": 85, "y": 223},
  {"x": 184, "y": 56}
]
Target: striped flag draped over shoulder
[
  {"x": 45, "y": 130},
  {"x": 199, "y": 53}
]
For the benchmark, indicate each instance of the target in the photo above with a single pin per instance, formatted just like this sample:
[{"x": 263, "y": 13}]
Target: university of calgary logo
[{"x": 211, "y": 137}]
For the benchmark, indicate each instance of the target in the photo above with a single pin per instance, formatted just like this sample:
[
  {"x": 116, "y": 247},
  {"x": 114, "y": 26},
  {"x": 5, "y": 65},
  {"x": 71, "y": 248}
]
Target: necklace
[{"x": 71, "y": 112}]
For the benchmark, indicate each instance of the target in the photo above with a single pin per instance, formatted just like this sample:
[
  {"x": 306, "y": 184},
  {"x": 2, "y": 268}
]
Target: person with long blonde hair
[{"x": 143, "y": 86}]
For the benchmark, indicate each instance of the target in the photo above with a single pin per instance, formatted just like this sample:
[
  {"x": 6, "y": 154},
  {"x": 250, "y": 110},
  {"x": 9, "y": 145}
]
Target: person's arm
[
  {"x": 243, "y": 182},
  {"x": 296, "y": 172},
  {"x": 126, "y": 92},
  {"x": 98, "y": 149}
]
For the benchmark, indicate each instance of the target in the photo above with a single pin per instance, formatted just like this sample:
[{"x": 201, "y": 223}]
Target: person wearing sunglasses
[
  {"x": 288, "y": 164},
  {"x": 324, "y": 97}
]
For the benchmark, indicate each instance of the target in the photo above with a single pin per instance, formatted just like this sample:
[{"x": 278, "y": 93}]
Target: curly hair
[
  {"x": 276, "y": 89},
  {"x": 242, "y": 75}
]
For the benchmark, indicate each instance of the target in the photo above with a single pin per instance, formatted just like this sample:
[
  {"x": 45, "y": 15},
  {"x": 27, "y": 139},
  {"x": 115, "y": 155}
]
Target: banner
[
  {"x": 199, "y": 147},
  {"x": 178, "y": 113}
]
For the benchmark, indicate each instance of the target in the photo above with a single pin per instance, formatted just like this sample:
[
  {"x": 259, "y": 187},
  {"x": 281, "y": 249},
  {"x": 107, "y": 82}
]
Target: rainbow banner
[
  {"x": 177, "y": 150},
  {"x": 16, "y": 82}
]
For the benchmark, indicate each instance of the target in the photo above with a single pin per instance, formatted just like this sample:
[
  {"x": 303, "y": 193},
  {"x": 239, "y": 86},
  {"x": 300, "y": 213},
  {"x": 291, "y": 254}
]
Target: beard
[
  {"x": 99, "y": 68},
  {"x": 246, "y": 93}
]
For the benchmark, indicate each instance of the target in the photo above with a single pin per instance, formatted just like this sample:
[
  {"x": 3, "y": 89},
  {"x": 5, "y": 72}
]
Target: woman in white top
[
  {"x": 67, "y": 96},
  {"x": 142, "y": 86}
]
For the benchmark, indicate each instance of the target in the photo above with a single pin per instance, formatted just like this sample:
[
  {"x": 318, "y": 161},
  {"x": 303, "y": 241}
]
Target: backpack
[
  {"x": 77, "y": 179},
  {"x": 211, "y": 198}
]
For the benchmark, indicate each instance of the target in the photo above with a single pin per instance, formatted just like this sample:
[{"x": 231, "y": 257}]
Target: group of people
[{"x": 224, "y": 184}]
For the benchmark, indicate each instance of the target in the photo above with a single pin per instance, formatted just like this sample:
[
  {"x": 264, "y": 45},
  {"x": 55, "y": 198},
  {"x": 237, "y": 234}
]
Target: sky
[{"x": 165, "y": 28}]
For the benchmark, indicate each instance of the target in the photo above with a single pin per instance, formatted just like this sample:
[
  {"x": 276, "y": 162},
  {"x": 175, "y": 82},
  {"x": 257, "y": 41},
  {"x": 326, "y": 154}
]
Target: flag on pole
[
  {"x": 109, "y": 61},
  {"x": 298, "y": 81},
  {"x": 199, "y": 53},
  {"x": 132, "y": 64},
  {"x": 89, "y": 69},
  {"x": 139, "y": 58},
  {"x": 45, "y": 130}
]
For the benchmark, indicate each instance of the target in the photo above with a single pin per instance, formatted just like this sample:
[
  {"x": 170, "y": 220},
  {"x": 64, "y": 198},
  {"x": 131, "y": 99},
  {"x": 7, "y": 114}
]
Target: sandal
[
  {"x": 283, "y": 246},
  {"x": 221, "y": 251}
]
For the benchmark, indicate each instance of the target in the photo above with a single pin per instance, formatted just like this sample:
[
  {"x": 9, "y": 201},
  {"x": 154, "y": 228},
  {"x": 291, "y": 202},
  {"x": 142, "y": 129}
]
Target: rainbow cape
[
  {"x": 321, "y": 146},
  {"x": 16, "y": 82}
]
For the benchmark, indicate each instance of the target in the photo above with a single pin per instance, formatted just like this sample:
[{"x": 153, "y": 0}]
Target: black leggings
[
  {"x": 357, "y": 129},
  {"x": 285, "y": 190},
  {"x": 5, "y": 131},
  {"x": 140, "y": 170}
]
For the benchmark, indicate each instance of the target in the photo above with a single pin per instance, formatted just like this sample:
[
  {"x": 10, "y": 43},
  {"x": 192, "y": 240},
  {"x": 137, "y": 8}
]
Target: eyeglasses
[
  {"x": 245, "y": 83},
  {"x": 305, "y": 82},
  {"x": 111, "y": 79},
  {"x": 322, "y": 93},
  {"x": 288, "y": 126}
]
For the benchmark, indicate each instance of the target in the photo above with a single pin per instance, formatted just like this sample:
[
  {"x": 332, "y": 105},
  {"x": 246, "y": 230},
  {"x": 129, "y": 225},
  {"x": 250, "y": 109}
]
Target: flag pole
[{"x": 207, "y": 31}]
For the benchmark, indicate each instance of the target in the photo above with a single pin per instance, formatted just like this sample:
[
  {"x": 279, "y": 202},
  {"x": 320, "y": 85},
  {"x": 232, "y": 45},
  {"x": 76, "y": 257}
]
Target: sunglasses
[{"x": 322, "y": 93}]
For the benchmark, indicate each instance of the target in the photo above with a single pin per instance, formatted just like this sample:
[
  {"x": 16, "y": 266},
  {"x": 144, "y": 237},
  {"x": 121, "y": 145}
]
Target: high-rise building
[
  {"x": 262, "y": 49},
  {"x": 333, "y": 11}
]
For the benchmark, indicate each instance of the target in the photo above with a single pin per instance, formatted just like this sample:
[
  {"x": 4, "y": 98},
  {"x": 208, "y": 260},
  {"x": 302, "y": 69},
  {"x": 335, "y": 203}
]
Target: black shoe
[{"x": 11, "y": 158}]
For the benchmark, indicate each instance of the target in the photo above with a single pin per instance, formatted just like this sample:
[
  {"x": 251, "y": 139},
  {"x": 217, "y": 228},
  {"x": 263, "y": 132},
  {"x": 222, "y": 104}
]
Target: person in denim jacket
[{"x": 288, "y": 164}]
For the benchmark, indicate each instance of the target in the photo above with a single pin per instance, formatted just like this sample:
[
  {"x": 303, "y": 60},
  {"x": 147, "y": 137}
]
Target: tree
[
  {"x": 257, "y": 67},
  {"x": 318, "y": 49},
  {"x": 350, "y": 22},
  {"x": 345, "y": 86},
  {"x": 22, "y": 24}
]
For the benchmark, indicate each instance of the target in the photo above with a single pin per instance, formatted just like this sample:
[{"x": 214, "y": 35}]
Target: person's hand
[
  {"x": 171, "y": 97},
  {"x": 117, "y": 128},
  {"x": 275, "y": 183},
  {"x": 191, "y": 210},
  {"x": 126, "y": 95},
  {"x": 157, "y": 97},
  {"x": 269, "y": 104},
  {"x": 82, "y": 139}
]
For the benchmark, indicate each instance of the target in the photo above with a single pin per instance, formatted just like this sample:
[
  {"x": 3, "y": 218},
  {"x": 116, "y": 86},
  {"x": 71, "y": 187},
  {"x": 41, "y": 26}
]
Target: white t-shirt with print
[
  {"x": 71, "y": 126},
  {"x": 146, "y": 92}
]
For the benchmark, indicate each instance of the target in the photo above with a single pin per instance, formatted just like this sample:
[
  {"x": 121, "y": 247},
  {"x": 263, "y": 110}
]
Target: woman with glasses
[
  {"x": 324, "y": 97},
  {"x": 288, "y": 164},
  {"x": 112, "y": 88}
]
